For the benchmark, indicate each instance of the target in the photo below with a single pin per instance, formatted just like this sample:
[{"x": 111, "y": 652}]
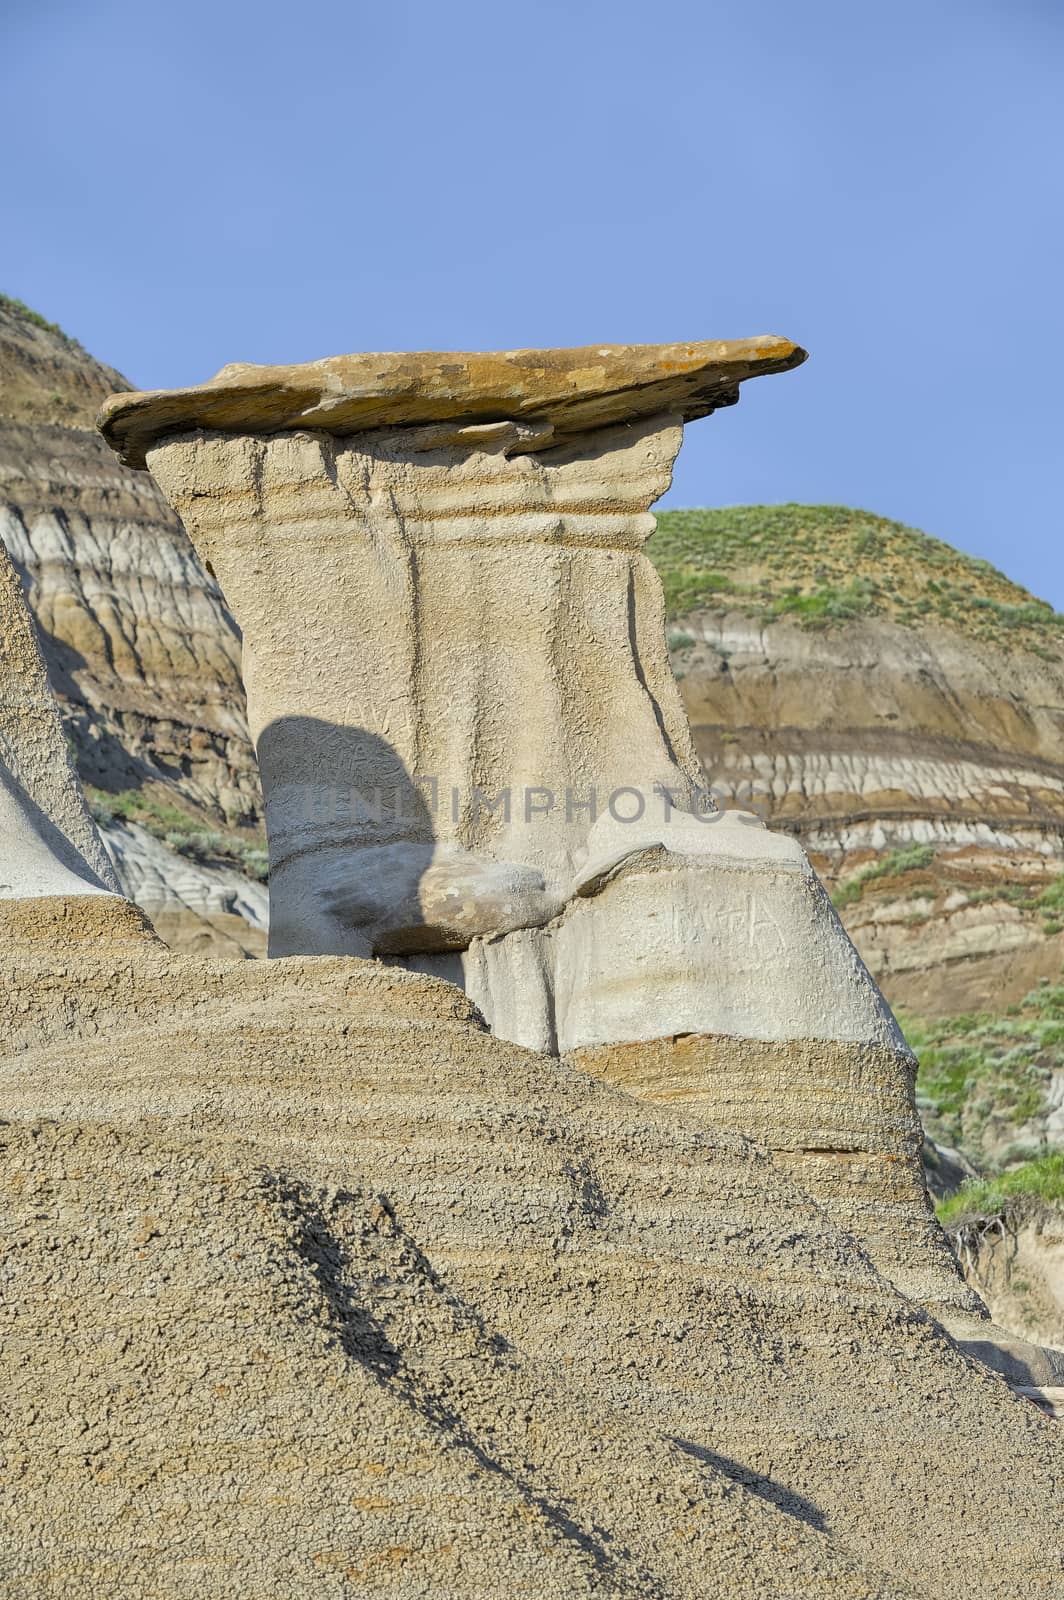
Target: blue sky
[{"x": 190, "y": 185}]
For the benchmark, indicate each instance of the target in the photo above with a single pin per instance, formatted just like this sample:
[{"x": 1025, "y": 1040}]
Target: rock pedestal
[
  {"x": 473, "y": 754},
  {"x": 453, "y": 646},
  {"x": 454, "y": 656}
]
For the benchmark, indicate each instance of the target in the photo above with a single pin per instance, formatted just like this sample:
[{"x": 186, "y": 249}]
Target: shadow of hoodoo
[{"x": 351, "y": 836}]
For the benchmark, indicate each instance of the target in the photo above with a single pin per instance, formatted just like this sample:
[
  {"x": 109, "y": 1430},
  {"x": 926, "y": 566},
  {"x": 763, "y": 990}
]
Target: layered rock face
[
  {"x": 138, "y": 643},
  {"x": 47, "y": 376},
  {"x": 898, "y": 706},
  {"x": 195, "y": 907},
  {"x": 333, "y": 1292},
  {"x": 140, "y": 650},
  {"x": 475, "y": 584},
  {"x": 475, "y": 604}
]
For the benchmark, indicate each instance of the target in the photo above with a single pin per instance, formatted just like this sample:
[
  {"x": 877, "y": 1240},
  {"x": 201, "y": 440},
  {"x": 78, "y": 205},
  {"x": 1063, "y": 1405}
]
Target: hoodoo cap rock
[{"x": 567, "y": 391}]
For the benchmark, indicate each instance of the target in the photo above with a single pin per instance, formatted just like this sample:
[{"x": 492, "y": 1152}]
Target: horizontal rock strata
[
  {"x": 838, "y": 1116},
  {"x": 364, "y": 1298},
  {"x": 454, "y": 656},
  {"x": 869, "y": 737},
  {"x": 142, "y": 655},
  {"x": 140, "y": 649},
  {"x": 45, "y": 375}
]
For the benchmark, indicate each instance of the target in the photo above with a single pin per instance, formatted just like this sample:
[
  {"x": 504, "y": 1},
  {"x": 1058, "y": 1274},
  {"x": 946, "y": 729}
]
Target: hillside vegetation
[
  {"x": 25, "y": 313},
  {"x": 984, "y": 1078},
  {"x": 1031, "y": 1183},
  {"x": 825, "y": 565},
  {"x": 46, "y": 376},
  {"x": 216, "y": 847}
]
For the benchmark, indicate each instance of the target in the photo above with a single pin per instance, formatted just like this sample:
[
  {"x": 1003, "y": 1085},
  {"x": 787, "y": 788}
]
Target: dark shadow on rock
[
  {"x": 61, "y": 847},
  {"x": 385, "y": 1258},
  {"x": 785, "y": 1500},
  {"x": 1017, "y": 1360},
  {"x": 348, "y": 795}
]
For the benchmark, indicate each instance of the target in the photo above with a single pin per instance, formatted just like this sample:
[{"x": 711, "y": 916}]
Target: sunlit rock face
[
  {"x": 314, "y": 1282},
  {"x": 357, "y": 1289},
  {"x": 433, "y": 628}
]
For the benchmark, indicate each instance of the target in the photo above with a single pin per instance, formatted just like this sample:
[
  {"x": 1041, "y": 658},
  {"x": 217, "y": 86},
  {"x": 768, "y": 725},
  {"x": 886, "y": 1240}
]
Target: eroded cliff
[
  {"x": 900, "y": 707},
  {"x": 141, "y": 652}
]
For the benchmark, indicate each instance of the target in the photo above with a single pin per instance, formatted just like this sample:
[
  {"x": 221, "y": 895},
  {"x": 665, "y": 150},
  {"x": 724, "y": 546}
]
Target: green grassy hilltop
[{"x": 829, "y": 564}]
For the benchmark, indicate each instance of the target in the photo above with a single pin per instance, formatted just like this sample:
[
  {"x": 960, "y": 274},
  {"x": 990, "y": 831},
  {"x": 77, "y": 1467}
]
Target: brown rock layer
[
  {"x": 141, "y": 652},
  {"x": 46, "y": 376},
  {"x": 869, "y": 737},
  {"x": 142, "y": 655}
]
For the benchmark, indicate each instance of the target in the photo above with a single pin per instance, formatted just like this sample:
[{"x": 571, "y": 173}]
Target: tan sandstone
[
  {"x": 571, "y": 392},
  {"x": 335, "y": 1293}
]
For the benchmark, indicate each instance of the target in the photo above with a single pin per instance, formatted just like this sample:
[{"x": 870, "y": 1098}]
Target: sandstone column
[{"x": 453, "y": 646}]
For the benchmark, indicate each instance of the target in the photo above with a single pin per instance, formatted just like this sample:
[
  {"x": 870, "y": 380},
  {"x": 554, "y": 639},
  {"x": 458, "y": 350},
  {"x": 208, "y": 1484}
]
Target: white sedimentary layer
[
  {"x": 868, "y": 775},
  {"x": 715, "y": 927},
  {"x": 433, "y": 628},
  {"x": 880, "y": 833},
  {"x": 724, "y": 929},
  {"x": 165, "y": 883},
  {"x": 34, "y": 858}
]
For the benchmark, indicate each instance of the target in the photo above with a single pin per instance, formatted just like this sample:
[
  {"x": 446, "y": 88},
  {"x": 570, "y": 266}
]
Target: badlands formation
[
  {"x": 928, "y": 717},
  {"x": 898, "y": 707},
  {"x": 890, "y": 701},
  {"x": 474, "y": 756},
  {"x": 317, "y": 1284}
]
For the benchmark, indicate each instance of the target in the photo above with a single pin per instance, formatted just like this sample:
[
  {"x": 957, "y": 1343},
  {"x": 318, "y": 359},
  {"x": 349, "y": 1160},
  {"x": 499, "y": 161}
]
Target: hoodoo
[
  {"x": 473, "y": 752},
  {"x": 436, "y": 563}
]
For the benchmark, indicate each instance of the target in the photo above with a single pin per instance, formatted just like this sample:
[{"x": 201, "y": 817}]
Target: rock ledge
[{"x": 570, "y": 390}]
